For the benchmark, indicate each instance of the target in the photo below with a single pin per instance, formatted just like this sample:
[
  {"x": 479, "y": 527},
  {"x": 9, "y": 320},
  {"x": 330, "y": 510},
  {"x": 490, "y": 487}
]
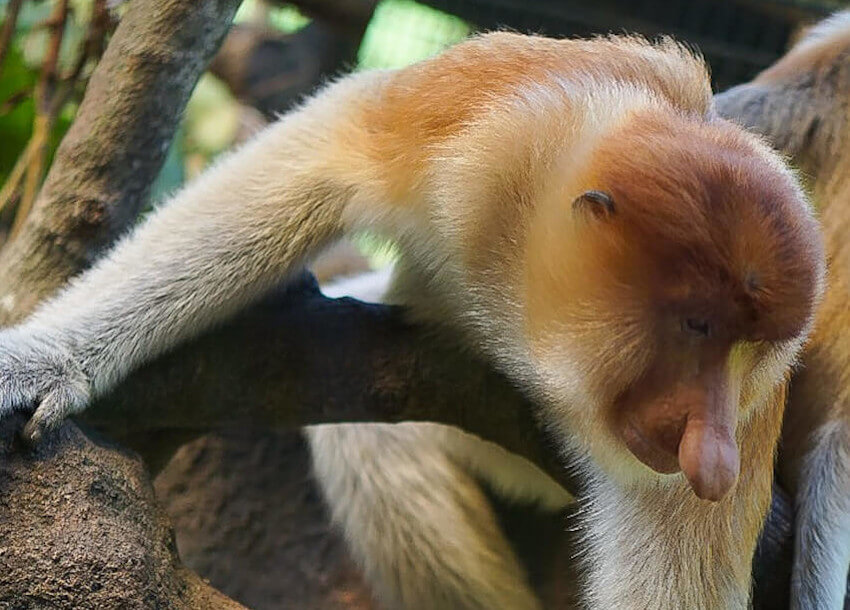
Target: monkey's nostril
[{"x": 697, "y": 326}]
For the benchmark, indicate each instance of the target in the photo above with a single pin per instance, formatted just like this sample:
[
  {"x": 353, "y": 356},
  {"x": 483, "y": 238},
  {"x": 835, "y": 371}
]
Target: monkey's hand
[{"x": 39, "y": 373}]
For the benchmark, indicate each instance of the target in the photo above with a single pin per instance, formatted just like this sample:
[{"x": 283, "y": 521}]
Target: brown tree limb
[
  {"x": 271, "y": 71},
  {"x": 19, "y": 171},
  {"x": 218, "y": 492},
  {"x": 300, "y": 358},
  {"x": 10, "y": 20},
  {"x": 47, "y": 77},
  {"x": 45, "y": 119}
]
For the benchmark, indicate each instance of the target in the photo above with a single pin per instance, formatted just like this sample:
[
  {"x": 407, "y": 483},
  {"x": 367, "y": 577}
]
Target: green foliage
[
  {"x": 19, "y": 74},
  {"x": 285, "y": 18},
  {"x": 16, "y": 125},
  {"x": 402, "y": 32}
]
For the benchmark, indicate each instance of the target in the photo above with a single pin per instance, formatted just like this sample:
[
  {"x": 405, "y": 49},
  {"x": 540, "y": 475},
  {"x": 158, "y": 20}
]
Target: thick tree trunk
[{"x": 80, "y": 529}]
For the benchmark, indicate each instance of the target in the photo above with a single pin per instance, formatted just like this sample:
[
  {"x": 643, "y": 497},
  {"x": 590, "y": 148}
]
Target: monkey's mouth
[{"x": 661, "y": 455}]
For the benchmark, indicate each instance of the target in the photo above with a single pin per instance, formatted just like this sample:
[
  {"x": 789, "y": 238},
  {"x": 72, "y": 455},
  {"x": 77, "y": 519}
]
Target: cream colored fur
[{"x": 416, "y": 519}]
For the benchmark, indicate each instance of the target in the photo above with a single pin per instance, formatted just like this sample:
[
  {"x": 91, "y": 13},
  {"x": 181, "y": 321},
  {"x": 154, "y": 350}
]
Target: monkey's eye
[{"x": 697, "y": 326}]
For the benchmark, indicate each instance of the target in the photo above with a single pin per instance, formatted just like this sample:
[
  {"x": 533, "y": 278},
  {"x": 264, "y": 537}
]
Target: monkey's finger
[{"x": 54, "y": 408}]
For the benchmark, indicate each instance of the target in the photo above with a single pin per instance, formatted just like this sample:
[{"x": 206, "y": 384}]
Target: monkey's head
[{"x": 669, "y": 283}]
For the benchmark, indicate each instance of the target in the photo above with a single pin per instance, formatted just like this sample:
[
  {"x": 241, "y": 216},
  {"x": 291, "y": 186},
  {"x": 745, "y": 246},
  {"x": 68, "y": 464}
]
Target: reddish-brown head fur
[
  {"x": 705, "y": 253},
  {"x": 720, "y": 232}
]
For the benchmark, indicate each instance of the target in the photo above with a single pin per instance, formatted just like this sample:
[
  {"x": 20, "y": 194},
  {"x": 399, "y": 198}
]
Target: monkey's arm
[{"x": 217, "y": 245}]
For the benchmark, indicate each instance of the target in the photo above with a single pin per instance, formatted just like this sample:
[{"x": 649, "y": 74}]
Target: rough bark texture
[
  {"x": 103, "y": 170},
  {"x": 80, "y": 529},
  {"x": 229, "y": 493}
]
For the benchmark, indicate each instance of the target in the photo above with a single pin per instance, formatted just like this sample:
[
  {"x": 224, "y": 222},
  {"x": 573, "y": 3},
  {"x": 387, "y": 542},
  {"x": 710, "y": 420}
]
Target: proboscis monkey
[{"x": 578, "y": 213}]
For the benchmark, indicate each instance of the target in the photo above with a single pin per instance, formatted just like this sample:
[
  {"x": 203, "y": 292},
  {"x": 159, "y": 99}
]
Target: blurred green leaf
[
  {"x": 15, "y": 126},
  {"x": 402, "y": 32},
  {"x": 286, "y": 18}
]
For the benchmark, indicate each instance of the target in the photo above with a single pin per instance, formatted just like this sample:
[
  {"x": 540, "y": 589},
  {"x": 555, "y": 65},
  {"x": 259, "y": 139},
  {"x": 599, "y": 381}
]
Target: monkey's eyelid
[{"x": 598, "y": 203}]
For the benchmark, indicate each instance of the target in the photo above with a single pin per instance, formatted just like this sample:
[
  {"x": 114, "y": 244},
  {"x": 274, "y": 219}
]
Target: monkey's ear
[{"x": 598, "y": 203}]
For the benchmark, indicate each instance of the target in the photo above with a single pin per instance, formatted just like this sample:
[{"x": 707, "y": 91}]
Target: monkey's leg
[
  {"x": 658, "y": 547},
  {"x": 417, "y": 520},
  {"x": 822, "y": 542}
]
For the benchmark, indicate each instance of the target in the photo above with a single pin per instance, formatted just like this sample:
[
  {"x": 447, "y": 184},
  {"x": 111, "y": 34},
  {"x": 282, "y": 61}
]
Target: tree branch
[
  {"x": 300, "y": 358},
  {"x": 272, "y": 71},
  {"x": 45, "y": 116},
  {"x": 10, "y": 20},
  {"x": 103, "y": 169}
]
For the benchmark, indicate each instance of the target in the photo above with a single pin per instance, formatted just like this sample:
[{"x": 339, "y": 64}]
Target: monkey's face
[{"x": 668, "y": 295}]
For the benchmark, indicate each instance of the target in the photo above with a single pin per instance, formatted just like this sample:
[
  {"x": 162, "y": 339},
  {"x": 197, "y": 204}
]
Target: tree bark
[{"x": 80, "y": 529}]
